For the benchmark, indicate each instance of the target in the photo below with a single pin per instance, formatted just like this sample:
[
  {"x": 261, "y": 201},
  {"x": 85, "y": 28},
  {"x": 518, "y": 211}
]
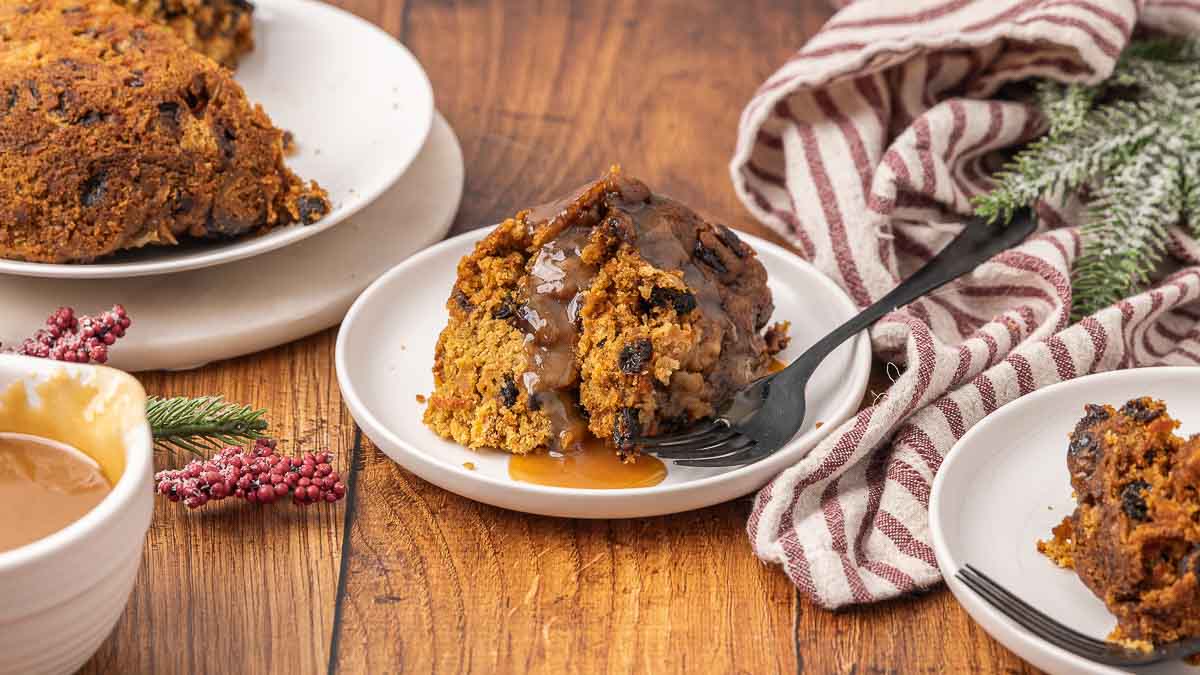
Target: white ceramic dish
[
  {"x": 385, "y": 355},
  {"x": 1005, "y": 484},
  {"x": 358, "y": 102},
  {"x": 63, "y": 594}
]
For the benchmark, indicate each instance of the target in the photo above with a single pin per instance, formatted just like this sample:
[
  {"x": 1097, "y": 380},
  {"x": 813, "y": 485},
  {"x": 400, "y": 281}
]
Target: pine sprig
[
  {"x": 201, "y": 425},
  {"x": 1131, "y": 144}
]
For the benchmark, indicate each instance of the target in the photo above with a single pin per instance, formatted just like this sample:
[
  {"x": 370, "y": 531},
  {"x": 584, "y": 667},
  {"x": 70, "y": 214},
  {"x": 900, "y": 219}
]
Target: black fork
[
  {"x": 1066, "y": 638},
  {"x": 765, "y": 415}
]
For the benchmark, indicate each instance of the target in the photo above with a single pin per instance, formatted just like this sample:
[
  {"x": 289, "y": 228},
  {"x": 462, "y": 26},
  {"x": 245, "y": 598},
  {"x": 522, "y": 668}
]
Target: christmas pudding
[
  {"x": 1134, "y": 538},
  {"x": 612, "y": 314},
  {"x": 220, "y": 29},
  {"x": 115, "y": 135}
]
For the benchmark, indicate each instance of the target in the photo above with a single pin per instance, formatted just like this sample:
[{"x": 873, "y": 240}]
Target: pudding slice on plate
[
  {"x": 1134, "y": 538},
  {"x": 613, "y": 314}
]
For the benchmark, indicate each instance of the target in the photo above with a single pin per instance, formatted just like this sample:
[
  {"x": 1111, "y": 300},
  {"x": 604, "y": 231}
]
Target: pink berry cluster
[
  {"x": 257, "y": 475},
  {"x": 81, "y": 339}
]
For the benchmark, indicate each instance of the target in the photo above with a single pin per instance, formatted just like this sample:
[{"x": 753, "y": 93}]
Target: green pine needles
[
  {"x": 1131, "y": 145},
  {"x": 202, "y": 424}
]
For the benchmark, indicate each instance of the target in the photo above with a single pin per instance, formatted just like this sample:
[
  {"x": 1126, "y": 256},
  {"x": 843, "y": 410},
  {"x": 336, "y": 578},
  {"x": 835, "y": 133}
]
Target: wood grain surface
[{"x": 405, "y": 577}]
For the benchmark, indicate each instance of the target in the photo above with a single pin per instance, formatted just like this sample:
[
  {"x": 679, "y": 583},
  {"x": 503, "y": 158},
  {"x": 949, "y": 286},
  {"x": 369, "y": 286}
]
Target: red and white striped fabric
[{"x": 865, "y": 149}]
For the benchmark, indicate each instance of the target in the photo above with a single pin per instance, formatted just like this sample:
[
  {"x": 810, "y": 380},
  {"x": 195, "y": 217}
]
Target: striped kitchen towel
[{"x": 865, "y": 150}]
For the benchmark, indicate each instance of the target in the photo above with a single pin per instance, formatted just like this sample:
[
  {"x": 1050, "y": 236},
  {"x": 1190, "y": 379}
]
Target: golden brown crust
[
  {"x": 114, "y": 135},
  {"x": 1134, "y": 538},
  {"x": 223, "y": 30},
  {"x": 615, "y": 313}
]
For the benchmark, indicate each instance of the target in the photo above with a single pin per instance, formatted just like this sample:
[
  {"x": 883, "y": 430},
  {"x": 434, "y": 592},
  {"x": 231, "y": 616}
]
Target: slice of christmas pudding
[
  {"x": 1134, "y": 538},
  {"x": 612, "y": 314}
]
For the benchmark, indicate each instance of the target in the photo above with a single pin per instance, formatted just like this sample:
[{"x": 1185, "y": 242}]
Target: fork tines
[
  {"x": 713, "y": 445},
  {"x": 1048, "y": 629}
]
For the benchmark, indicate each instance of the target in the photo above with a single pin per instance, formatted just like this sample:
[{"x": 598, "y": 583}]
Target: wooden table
[{"x": 403, "y": 576}]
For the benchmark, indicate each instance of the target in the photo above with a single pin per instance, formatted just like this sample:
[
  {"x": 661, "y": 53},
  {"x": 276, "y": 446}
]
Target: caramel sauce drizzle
[{"x": 591, "y": 465}]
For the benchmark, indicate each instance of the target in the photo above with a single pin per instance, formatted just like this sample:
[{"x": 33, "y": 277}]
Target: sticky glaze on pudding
[
  {"x": 612, "y": 314},
  {"x": 44, "y": 488}
]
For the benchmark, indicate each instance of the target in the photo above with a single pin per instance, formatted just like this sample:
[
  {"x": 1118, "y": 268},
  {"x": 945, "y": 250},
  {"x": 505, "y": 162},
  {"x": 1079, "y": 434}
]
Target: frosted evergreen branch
[
  {"x": 1065, "y": 105},
  {"x": 1126, "y": 234},
  {"x": 200, "y": 425},
  {"x": 1191, "y": 192},
  {"x": 1130, "y": 147}
]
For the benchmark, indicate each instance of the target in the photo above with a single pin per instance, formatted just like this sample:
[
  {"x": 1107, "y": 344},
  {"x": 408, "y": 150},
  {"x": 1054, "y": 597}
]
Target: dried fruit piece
[
  {"x": 709, "y": 257},
  {"x": 1093, "y": 413},
  {"x": 1132, "y": 501},
  {"x": 311, "y": 209},
  {"x": 734, "y": 242},
  {"x": 93, "y": 189},
  {"x": 626, "y": 429},
  {"x": 683, "y": 302},
  {"x": 1142, "y": 409},
  {"x": 463, "y": 302},
  {"x": 508, "y": 391},
  {"x": 635, "y": 356},
  {"x": 507, "y": 309},
  {"x": 1081, "y": 441}
]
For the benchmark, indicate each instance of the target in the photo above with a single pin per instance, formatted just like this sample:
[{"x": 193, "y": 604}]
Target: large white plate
[
  {"x": 1005, "y": 484},
  {"x": 385, "y": 356},
  {"x": 357, "y": 101}
]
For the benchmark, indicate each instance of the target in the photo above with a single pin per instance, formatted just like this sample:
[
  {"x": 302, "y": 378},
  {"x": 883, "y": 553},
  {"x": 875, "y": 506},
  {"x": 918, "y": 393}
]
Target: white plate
[
  {"x": 385, "y": 356},
  {"x": 1005, "y": 484},
  {"x": 357, "y": 101}
]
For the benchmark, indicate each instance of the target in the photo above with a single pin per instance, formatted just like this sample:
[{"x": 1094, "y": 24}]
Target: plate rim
[
  {"x": 1027, "y": 646},
  {"x": 442, "y": 473},
  {"x": 284, "y": 236}
]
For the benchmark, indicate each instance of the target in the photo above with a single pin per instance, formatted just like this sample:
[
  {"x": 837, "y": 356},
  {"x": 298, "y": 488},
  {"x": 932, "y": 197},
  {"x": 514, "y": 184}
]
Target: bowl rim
[
  {"x": 770, "y": 467},
  {"x": 130, "y": 487}
]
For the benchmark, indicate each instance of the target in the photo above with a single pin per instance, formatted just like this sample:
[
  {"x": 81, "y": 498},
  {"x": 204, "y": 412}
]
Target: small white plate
[
  {"x": 1005, "y": 484},
  {"x": 358, "y": 103},
  {"x": 385, "y": 359}
]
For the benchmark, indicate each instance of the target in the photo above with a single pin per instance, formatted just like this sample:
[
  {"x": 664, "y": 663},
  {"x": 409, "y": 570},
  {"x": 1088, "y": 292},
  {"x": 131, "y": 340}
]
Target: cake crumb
[
  {"x": 1060, "y": 548},
  {"x": 819, "y": 425},
  {"x": 469, "y": 466},
  {"x": 421, "y": 398}
]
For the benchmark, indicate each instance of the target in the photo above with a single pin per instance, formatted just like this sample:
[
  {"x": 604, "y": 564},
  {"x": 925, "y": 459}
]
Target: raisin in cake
[
  {"x": 615, "y": 313},
  {"x": 114, "y": 135},
  {"x": 1134, "y": 538}
]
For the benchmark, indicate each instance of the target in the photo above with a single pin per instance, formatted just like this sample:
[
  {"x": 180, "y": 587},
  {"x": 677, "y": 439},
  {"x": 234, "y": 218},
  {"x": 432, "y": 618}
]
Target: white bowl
[
  {"x": 62, "y": 595},
  {"x": 358, "y": 102},
  {"x": 1005, "y": 484},
  {"x": 385, "y": 358}
]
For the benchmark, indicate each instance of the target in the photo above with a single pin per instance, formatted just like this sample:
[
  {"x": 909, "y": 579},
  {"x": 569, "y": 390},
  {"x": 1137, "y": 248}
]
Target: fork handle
[{"x": 976, "y": 244}]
